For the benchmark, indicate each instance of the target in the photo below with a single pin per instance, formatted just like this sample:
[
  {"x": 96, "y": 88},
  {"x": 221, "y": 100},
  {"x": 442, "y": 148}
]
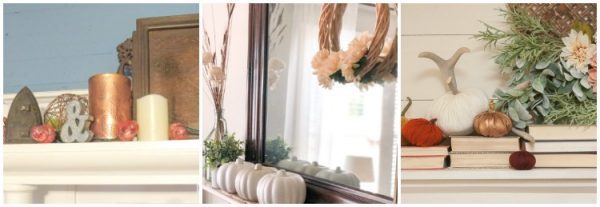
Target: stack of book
[
  {"x": 563, "y": 146},
  {"x": 482, "y": 152},
  {"x": 424, "y": 158}
]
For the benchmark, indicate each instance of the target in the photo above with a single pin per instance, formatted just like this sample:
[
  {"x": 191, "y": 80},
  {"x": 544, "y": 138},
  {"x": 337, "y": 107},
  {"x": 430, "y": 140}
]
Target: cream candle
[{"x": 153, "y": 118}]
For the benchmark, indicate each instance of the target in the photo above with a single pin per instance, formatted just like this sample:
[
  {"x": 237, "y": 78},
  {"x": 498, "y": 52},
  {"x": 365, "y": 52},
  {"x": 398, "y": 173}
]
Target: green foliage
[
  {"x": 217, "y": 152},
  {"x": 55, "y": 123},
  {"x": 276, "y": 150},
  {"x": 529, "y": 41},
  {"x": 529, "y": 55},
  {"x": 567, "y": 109}
]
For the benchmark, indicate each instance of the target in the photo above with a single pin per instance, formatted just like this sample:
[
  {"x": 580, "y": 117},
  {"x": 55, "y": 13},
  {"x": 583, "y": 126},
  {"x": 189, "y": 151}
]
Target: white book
[
  {"x": 562, "y": 132},
  {"x": 561, "y": 146},
  {"x": 484, "y": 144},
  {"x": 565, "y": 160},
  {"x": 423, "y": 163},
  {"x": 479, "y": 160},
  {"x": 410, "y": 151}
]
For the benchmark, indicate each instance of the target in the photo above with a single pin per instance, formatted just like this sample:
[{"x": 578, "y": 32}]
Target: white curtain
[{"x": 304, "y": 94}]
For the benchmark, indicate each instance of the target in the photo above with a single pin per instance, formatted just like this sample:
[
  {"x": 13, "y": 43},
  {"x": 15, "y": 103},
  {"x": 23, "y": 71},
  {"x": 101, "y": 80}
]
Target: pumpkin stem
[
  {"x": 405, "y": 109},
  {"x": 447, "y": 66},
  {"x": 492, "y": 106},
  {"x": 432, "y": 121}
]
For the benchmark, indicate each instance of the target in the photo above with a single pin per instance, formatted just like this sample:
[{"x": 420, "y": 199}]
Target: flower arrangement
[
  {"x": 368, "y": 59},
  {"x": 217, "y": 152},
  {"x": 551, "y": 79},
  {"x": 215, "y": 71},
  {"x": 343, "y": 66}
]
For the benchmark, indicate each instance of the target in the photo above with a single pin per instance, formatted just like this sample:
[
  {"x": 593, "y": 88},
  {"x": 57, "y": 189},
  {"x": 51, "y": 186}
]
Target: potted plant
[{"x": 219, "y": 151}]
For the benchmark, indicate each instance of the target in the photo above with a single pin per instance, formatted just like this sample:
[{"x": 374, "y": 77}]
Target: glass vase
[{"x": 218, "y": 132}]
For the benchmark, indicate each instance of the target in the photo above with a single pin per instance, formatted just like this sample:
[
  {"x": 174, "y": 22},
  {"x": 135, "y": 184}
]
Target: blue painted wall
[{"x": 59, "y": 46}]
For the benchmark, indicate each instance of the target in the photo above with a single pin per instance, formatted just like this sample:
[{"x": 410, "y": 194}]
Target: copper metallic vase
[{"x": 109, "y": 104}]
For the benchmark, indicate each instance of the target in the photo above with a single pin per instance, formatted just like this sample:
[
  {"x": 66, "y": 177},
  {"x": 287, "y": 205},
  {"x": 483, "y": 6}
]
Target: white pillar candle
[{"x": 153, "y": 118}]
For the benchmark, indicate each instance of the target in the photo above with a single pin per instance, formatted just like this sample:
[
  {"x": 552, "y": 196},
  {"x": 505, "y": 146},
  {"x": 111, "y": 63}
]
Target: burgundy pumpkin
[
  {"x": 422, "y": 132},
  {"x": 522, "y": 160}
]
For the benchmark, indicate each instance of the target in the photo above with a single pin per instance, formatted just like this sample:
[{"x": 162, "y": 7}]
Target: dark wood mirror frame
[{"x": 318, "y": 190}]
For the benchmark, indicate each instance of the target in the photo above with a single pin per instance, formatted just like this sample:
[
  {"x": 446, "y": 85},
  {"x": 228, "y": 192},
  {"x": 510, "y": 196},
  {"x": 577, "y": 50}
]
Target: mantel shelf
[
  {"x": 227, "y": 197},
  {"x": 103, "y": 163},
  {"x": 499, "y": 174}
]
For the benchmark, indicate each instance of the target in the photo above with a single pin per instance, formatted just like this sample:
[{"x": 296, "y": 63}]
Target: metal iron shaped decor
[{"x": 24, "y": 113}]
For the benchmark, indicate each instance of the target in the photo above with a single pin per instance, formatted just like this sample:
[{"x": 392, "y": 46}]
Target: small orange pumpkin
[
  {"x": 403, "y": 120},
  {"x": 492, "y": 123},
  {"x": 422, "y": 132}
]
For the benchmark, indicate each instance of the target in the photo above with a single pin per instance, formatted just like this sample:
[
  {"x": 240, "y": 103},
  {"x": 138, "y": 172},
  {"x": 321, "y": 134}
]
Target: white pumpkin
[
  {"x": 291, "y": 163},
  {"x": 455, "y": 113},
  {"x": 213, "y": 178},
  {"x": 456, "y": 109},
  {"x": 312, "y": 168},
  {"x": 339, "y": 176},
  {"x": 281, "y": 187},
  {"x": 246, "y": 181},
  {"x": 227, "y": 173}
]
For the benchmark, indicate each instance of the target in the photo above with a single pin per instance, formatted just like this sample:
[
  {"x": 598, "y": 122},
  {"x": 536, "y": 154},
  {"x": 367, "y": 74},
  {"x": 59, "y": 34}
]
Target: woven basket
[
  {"x": 57, "y": 107},
  {"x": 561, "y": 16},
  {"x": 330, "y": 25}
]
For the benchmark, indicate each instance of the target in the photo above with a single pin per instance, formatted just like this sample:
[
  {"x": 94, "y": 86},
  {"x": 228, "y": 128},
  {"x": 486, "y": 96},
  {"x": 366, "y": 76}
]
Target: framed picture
[{"x": 166, "y": 61}]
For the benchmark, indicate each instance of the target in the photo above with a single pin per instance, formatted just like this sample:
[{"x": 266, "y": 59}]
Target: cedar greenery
[{"x": 568, "y": 110}]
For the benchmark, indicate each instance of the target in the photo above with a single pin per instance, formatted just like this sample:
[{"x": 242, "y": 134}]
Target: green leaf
[
  {"x": 584, "y": 82},
  {"x": 576, "y": 73},
  {"x": 539, "y": 84},
  {"x": 542, "y": 111},
  {"x": 515, "y": 92},
  {"x": 568, "y": 77},
  {"x": 542, "y": 64},
  {"x": 577, "y": 91},
  {"x": 545, "y": 101},
  {"x": 567, "y": 88},
  {"x": 548, "y": 72},
  {"x": 522, "y": 111},
  {"x": 512, "y": 113}
]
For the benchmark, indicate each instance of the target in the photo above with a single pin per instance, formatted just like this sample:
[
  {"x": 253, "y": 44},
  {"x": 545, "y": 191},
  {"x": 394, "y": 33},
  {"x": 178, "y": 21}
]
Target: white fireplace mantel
[{"x": 98, "y": 163}]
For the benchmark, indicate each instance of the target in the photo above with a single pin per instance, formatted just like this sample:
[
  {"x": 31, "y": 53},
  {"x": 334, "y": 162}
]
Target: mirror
[{"x": 345, "y": 134}]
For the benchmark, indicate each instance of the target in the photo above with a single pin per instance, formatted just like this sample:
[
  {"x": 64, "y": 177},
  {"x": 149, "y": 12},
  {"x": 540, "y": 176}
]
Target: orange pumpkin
[
  {"x": 403, "y": 121},
  {"x": 422, "y": 132}
]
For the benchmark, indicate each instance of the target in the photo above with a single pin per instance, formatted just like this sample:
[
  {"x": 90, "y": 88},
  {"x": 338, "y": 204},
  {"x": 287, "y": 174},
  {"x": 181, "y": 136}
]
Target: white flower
[
  {"x": 325, "y": 63},
  {"x": 207, "y": 58},
  {"x": 577, "y": 51},
  {"x": 357, "y": 49}
]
